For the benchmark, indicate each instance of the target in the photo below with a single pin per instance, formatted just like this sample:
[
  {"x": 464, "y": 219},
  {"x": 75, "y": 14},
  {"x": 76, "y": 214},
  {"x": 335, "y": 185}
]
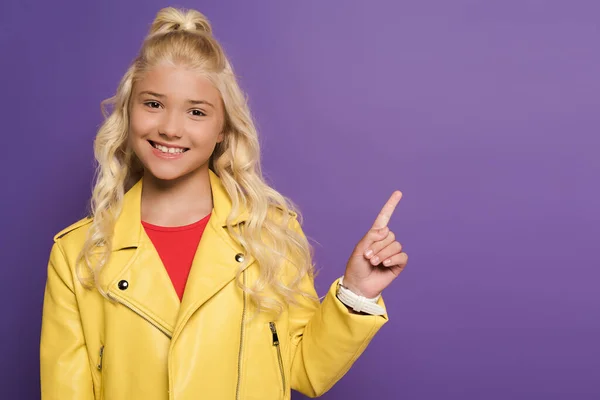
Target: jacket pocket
[{"x": 277, "y": 346}]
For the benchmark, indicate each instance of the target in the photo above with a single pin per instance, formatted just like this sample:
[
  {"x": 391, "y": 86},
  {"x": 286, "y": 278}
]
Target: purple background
[{"x": 484, "y": 113}]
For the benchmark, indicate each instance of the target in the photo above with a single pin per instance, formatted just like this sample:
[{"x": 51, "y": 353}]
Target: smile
[{"x": 166, "y": 149}]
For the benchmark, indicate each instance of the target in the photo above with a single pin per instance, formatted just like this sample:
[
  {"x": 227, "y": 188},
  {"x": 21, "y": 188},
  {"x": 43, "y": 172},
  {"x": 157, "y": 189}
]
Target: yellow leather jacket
[{"x": 144, "y": 343}]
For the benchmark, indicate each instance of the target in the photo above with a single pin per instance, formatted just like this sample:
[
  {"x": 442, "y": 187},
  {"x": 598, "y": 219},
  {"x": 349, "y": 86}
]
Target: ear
[{"x": 221, "y": 137}]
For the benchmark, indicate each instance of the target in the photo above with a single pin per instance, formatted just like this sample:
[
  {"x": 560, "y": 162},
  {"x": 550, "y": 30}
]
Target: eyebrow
[{"x": 162, "y": 96}]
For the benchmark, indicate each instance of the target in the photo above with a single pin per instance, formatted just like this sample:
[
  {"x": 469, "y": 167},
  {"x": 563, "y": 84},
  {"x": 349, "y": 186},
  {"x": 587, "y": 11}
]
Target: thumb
[
  {"x": 374, "y": 235},
  {"x": 382, "y": 233}
]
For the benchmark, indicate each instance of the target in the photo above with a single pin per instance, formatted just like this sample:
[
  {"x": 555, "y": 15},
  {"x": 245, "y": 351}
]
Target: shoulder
[
  {"x": 77, "y": 226},
  {"x": 67, "y": 244},
  {"x": 278, "y": 210},
  {"x": 278, "y": 214}
]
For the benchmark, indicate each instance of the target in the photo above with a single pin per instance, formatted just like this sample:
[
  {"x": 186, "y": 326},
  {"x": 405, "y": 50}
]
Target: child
[{"x": 180, "y": 203}]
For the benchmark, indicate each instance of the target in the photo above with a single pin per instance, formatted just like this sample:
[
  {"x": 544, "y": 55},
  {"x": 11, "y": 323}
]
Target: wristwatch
[{"x": 356, "y": 302}]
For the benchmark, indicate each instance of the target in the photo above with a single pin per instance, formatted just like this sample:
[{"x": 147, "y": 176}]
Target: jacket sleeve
[
  {"x": 64, "y": 364},
  {"x": 326, "y": 339}
]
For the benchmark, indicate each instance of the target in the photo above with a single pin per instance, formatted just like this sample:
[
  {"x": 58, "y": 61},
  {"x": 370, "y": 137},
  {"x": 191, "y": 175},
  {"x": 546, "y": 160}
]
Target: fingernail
[
  {"x": 375, "y": 260},
  {"x": 387, "y": 262},
  {"x": 368, "y": 253}
]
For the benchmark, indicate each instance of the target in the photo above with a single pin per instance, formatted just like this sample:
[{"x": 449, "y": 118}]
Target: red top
[{"x": 176, "y": 247}]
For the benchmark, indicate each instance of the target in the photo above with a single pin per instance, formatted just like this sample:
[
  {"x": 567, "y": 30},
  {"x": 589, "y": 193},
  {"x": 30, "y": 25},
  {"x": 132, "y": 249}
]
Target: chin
[{"x": 165, "y": 174}]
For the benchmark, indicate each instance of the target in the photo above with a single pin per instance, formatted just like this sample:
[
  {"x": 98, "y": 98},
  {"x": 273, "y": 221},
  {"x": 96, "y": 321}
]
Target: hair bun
[{"x": 171, "y": 19}]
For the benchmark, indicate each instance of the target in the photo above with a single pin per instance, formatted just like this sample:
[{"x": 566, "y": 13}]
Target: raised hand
[{"x": 378, "y": 258}]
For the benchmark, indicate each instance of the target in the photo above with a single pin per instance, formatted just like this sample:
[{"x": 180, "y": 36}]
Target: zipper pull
[
  {"x": 274, "y": 331},
  {"x": 101, "y": 354}
]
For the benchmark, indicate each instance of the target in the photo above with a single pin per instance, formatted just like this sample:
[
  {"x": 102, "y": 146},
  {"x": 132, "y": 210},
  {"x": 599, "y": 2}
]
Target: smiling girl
[{"x": 192, "y": 278}]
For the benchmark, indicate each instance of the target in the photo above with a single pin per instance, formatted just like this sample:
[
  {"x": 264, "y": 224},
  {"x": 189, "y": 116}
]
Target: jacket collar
[
  {"x": 150, "y": 292},
  {"x": 128, "y": 227}
]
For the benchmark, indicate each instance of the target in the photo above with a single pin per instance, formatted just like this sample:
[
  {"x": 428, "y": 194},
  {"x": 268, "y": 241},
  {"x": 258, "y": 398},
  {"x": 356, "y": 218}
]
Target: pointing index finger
[{"x": 387, "y": 210}]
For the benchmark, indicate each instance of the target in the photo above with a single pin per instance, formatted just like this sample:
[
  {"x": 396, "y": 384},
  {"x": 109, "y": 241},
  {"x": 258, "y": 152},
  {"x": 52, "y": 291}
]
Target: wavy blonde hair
[{"x": 184, "y": 37}]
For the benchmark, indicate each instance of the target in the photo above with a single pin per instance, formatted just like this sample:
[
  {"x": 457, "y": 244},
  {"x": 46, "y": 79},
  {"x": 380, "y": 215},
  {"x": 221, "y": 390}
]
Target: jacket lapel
[
  {"x": 135, "y": 275},
  {"x": 149, "y": 291},
  {"x": 217, "y": 259}
]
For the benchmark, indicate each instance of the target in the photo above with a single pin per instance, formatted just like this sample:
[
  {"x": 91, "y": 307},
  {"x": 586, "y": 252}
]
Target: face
[{"x": 176, "y": 120}]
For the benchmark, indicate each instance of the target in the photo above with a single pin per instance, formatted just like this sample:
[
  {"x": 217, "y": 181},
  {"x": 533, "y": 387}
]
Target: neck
[{"x": 175, "y": 203}]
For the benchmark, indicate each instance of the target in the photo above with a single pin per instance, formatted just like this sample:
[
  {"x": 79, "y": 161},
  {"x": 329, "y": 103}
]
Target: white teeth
[{"x": 165, "y": 149}]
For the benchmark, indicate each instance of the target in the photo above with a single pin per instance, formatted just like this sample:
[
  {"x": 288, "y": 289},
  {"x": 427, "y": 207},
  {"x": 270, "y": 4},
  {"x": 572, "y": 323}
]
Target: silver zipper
[
  {"x": 239, "y": 379},
  {"x": 139, "y": 313},
  {"x": 100, "y": 361},
  {"x": 279, "y": 358}
]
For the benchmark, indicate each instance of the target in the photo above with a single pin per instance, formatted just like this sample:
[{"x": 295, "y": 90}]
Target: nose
[{"x": 170, "y": 126}]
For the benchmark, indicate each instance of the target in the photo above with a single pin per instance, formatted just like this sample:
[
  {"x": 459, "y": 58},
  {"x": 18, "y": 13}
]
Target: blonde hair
[{"x": 185, "y": 37}]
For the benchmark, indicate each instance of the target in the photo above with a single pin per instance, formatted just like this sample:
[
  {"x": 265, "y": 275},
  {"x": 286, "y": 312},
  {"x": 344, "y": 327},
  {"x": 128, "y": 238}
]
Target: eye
[
  {"x": 198, "y": 113},
  {"x": 152, "y": 104}
]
